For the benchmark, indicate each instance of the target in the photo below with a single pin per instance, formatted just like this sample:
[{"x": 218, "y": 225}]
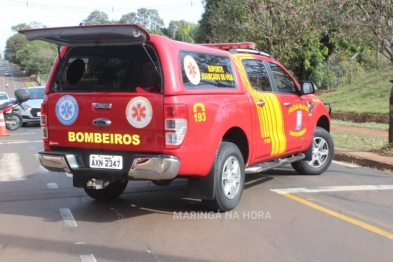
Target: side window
[
  {"x": 285, "y": 83},
  {"x": 206, "y": 71},
  {"x": 257, "y": 75}
]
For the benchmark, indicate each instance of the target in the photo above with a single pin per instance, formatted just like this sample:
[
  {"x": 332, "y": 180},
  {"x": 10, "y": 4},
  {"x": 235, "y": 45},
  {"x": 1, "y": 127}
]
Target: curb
[{"x": 362, "y": 161}]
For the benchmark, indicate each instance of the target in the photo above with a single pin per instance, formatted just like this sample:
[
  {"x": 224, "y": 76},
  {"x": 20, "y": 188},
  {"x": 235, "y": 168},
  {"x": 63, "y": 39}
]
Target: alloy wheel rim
[
  {"x": 320, "y": 152},
  {"x": 231, "y": 177}
]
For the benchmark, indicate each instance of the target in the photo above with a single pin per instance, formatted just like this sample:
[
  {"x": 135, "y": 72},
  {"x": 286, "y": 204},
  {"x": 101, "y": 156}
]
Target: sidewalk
[{"x": 359, "y": 157}]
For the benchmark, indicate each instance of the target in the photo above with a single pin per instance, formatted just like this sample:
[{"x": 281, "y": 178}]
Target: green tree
[
  {"x": 148, "y": 18},
  {"x": 96, "y": 17},
  {"x": 13, "y": 44},
  {"x": 37, "y": 57},
  {"x": 130, "y": 18},
  {"x": 182, "y": 31}
]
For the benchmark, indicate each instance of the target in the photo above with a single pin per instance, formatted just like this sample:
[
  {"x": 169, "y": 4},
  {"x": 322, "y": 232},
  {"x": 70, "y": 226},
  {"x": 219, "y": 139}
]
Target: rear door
[{"x": 93, "y": 102}]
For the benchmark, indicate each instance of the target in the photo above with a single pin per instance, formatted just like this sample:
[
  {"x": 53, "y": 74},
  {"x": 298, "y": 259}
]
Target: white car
[
  {"x": 6, "y": 73},
  {"x": 30, "y": 110},
  {"x": 4, "y": 97}
]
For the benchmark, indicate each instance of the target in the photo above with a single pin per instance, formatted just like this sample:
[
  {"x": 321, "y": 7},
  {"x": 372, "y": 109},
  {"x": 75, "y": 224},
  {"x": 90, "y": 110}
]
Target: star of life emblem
[
  {"x": 139, "y": 112},
  {"x": 67, "y": 110},
  {"x": 192, "y": 70}
]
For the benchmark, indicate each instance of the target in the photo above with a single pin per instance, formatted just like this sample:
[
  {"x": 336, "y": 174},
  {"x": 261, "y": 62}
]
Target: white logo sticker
[
  {"x": 192, "y": 70},
  {"x": 139, "y": 112},
  {"x": 67, "y": 110}
]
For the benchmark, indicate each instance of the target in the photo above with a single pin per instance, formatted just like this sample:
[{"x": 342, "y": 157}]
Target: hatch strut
[
  {"x": 151, "y": 59},
  {"x": 58, "y": 52},
  {"x": 60, "y": 69}
]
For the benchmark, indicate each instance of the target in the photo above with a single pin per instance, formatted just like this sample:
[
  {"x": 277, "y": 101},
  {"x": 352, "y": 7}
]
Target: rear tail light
[
  {"x": 176, "y": 122},
  {"x": 44, "y": 122}
]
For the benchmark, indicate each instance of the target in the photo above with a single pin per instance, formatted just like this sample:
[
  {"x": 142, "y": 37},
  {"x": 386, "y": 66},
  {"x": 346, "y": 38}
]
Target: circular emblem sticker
[
  {"x": 67, "y": 110},
  {"x": 192, "y": 70},
  {"x": 139, "y": 112}
]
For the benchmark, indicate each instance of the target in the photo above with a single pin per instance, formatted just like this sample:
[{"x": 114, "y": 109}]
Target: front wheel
[
  {"x": 322, "y": 154},
  {"x": 228, "y": 171},
  {"x": 13, "y": 121},
  {"x": 112, "y": 191}
]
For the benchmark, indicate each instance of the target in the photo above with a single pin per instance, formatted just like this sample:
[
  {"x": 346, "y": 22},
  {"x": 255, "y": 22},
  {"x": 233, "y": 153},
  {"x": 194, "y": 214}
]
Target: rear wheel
[
  {"x": 13, "y": 121},
  {"x": 228, "y": 169},
  {"x": 112, "y": 191},
  {"x": 322, "y": 154}
]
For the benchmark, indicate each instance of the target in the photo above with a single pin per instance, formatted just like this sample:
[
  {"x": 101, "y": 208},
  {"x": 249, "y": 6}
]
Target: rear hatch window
[{"x": 105, "y": 69}]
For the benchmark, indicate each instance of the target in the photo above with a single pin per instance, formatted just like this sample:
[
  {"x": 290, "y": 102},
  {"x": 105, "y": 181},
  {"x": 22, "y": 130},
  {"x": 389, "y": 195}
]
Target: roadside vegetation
[
  {"x": 367, "y": 125},
  {"x": 368, "y": 93}
]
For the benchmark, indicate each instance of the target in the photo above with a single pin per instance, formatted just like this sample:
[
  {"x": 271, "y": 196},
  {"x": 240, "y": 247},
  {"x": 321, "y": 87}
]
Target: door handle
[
  {"x": 287, "y": 104},
  {"x": 260, "y": 103}
]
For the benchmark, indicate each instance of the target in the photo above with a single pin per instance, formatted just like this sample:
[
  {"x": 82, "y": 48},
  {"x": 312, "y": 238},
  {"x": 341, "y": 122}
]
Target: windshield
[{"x": 36, "y": 93}]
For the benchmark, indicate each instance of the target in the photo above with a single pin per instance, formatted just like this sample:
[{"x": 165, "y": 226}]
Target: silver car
[{"x": 31, "y": 109}]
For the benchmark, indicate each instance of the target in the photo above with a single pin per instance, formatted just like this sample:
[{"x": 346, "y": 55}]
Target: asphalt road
[
  {"x": 14, "y": 81},
  {"x": 344, "y": 214}
]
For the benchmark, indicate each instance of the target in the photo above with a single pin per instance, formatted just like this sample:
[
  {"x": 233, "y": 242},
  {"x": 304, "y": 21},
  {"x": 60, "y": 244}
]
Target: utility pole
[{"x": 391, "y": 115}]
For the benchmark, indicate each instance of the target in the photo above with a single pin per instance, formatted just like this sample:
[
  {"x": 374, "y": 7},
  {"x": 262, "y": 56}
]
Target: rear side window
[{"x": 206, "y": 71}]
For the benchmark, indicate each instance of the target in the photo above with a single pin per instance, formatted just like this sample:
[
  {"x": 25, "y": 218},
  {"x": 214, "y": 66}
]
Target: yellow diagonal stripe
[
  {"x": 271, "y": 120},
  {"x": 343, "y": 217}
]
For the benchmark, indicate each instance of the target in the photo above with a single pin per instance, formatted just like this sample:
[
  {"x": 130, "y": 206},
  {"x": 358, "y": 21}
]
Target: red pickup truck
[{"x": 122, "y": 104}]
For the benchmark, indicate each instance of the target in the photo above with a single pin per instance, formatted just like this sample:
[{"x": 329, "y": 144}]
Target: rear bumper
[{"x": 150, "y": 167}]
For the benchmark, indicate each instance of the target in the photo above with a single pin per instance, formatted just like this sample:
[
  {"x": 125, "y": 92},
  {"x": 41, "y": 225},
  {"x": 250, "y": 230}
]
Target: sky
[{"x": 53, "y": 13}]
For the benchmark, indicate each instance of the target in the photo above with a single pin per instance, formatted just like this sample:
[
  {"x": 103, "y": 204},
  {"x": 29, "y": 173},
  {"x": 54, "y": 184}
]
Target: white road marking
[
  {"x": 155, "y": 256},
  {"x": 23, "y": 134},
  {"x": 11, "y": 169},
  {"x": 331, "y": 189},
  {"x": 88, "y": 258},
  {"x": 79, "y": 243},
  {"x": 345, "y": 164},
  {"x": 68, "y": 217},
  {"x": 52, "y": 185},
  {"x": 20, "y": 142},
  {"x": 119, "y": 215}
]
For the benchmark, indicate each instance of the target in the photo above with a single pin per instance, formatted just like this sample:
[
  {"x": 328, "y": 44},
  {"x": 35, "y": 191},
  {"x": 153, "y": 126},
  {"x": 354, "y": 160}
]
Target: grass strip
[
  {"x": 359, "y": 142},
  {"x": 368, "y": 125}
]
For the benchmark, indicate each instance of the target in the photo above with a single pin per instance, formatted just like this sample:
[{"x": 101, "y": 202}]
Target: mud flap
[
  {"x": 202, "y": 188},
  {"x": 308, "y": 153}
]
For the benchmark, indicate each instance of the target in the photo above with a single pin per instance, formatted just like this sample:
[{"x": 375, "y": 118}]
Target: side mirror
[
  {"x": 22, "y": 95},
  {"x": 308, "y": 87}
]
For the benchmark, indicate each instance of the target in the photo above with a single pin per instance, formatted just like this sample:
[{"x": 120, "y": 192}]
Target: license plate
[{"x": 105, "y": 161}]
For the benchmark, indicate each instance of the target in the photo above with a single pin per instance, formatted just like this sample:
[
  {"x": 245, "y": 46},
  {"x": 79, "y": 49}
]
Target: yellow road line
[{"x": 343, "y": 217}]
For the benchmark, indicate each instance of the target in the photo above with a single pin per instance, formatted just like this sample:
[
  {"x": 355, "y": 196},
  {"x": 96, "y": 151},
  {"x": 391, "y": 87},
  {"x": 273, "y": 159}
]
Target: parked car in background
[
  {"x": 4, "y": 97},
  {"x": 31, "y": 109}
]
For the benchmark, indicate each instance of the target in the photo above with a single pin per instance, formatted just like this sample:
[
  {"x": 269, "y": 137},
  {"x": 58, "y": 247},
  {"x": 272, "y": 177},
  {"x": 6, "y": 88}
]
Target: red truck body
[{"x": 102, "y": 122}]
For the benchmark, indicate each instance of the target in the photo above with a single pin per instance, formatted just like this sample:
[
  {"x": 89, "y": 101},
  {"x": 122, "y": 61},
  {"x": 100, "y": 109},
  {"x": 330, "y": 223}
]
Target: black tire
[
  {"x": 112, "y": 191},
  {"x": 228, "y": 190},
  {"x": 322, "y": 154},
  {"x": 13, "y": 121}
]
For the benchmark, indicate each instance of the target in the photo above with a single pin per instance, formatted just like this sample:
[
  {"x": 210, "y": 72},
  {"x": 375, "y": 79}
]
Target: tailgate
[{"x": 125, "y": 121}]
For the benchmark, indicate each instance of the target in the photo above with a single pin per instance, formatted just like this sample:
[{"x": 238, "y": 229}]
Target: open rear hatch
[
  {"x": 93, "y": 103},
  {"x": 90, "y": 35}
]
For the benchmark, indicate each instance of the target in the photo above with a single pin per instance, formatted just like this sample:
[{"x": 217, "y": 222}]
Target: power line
[{"x": 31, "y": 4}]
